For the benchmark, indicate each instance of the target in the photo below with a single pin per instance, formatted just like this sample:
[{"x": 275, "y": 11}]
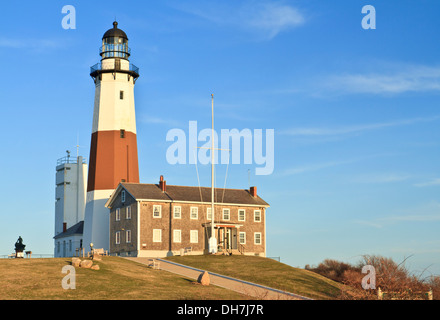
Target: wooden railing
[{"x": 405, "y": 295}]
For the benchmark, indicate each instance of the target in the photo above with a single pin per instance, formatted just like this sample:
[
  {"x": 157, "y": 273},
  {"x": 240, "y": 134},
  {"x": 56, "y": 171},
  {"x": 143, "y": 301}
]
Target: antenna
[
  {"x": 68, "y": 155},
  {"x": 77, "y": 145}
]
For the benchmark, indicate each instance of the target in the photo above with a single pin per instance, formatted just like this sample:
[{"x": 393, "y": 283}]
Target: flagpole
[{"x": 212, "y": 242}]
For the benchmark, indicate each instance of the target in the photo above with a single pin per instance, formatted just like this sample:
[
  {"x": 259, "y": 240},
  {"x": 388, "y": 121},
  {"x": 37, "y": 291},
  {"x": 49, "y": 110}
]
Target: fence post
[{"x": 430, "y": 295}]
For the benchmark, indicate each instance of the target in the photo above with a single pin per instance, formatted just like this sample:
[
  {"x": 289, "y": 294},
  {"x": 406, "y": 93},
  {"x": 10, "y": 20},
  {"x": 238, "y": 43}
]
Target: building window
[
  {"x": 118, "y": 237},
  {"x": 157, "y": 211},
  {"x": 157, "y": 235},
  {"x": 226, "y": 214},
  {"x": 128, "y": 236},
  {"x": 177, "y": 236},
  {"x": 242, "y": 237},
  {"x": 241, "y": 215},
  {"x": 121, "y": 95},
  {"x": 128, "y": 213},
  {"x": 257, "y": 216},
  {"x": 122, "y": 133},
  {"x": 194, "y": 213},
  {"x": 58, "y": 246},
  {"x": 209, "y": 214},
  {"x": 257, "y": 238},
  {"x": 118, "y": 214},
  {"x": 194, "y": 236},
  {"x": 70, "y": 245},
  {"x": 123, "y": 196},
  {"x": 177, "y": 212}
]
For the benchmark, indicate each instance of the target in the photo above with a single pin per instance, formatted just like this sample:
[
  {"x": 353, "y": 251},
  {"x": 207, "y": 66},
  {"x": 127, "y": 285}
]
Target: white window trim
[
  {"x": 118, "y": 214},
  {"x": 128, "y": 236},
  {"x": 123, "y": 196},
  {"x": 118, "y": 237},
  {"x": 174, "y": 212},
  {"x": 244, "y": 233},
  {"x": 128, "y": 212},
  {"x": 177, "y": 236},
  {"x": 255, "y": 238},
  {"x": 159, "y": 231},
  {"x": 160, "y": 211},
  {"x": 223, "y": 214},
  {"x": 196, "y": 236},
  {"x": 255, "y": 211},
  {"x": 209, "y": 214},
  {"x": 191, "y": 213},
  {"x": 244, "y": 215}
]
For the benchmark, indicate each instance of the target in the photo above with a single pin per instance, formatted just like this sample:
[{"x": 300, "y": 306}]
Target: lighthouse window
[
  {"x": 121, "y": 95},
  {"x": 122, "y": 133}
]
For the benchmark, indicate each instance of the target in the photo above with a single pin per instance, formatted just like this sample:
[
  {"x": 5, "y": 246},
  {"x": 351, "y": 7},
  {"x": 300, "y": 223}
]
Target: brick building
[{"x": 156, "y": 220}]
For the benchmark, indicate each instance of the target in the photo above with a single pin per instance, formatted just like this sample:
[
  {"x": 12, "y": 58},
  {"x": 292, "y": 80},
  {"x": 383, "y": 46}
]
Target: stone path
[{"x": 244, "y": 287}]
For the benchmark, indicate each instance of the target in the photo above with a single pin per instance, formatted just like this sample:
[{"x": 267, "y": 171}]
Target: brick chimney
[
  {"x": 162, "y": 184},
  {"x": 64, "y": 226},
  {"x": 253, "y": 191}
]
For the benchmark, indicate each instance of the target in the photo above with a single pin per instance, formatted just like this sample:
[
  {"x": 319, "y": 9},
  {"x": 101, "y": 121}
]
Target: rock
[
  {"x": 86, "y": 263},
  {"x": 204, "y": 279},
  {"x": 96, "y": 257},
  {"x": 76, "y": 262},
  {"x": 94, "y": 267}
]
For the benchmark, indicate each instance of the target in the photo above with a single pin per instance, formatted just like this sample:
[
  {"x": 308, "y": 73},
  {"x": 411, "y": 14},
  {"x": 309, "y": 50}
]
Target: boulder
[
  {"x": 204, "y": 279},
  {"x": 76, "y": 262},
  {"x": 96, "y": 257},
  {"x": 94, "y": 267},
  {"x": 86, "y": 263}
]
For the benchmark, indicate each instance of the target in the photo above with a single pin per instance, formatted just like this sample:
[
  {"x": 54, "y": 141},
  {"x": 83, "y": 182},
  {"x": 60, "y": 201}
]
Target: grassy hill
[
  {"x": 117, "y": 279},
  {"x": 122, "y": 279},
  {"x": 266, "y": 272}
]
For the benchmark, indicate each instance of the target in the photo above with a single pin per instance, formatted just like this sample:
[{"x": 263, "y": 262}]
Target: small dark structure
[{"x": 19, "y": 248}]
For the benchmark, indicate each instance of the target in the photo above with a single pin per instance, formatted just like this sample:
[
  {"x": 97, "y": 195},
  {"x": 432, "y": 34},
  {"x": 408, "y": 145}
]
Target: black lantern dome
[{"x": 115, "y": 32}]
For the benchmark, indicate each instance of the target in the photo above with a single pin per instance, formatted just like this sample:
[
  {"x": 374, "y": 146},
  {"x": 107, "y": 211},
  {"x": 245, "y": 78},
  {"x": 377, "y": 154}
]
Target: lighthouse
[{"x": 113, "y": 149}]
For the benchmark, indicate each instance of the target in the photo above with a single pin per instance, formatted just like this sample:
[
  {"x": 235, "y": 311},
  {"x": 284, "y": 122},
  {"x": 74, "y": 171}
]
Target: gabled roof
[
  {"x": 75, "y": 229},
  {"x": 151, "y": 192}
]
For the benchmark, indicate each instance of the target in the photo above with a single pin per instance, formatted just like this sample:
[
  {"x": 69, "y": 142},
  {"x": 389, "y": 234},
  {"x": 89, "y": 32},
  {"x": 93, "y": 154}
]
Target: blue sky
[{"x": 355, "y": 113}]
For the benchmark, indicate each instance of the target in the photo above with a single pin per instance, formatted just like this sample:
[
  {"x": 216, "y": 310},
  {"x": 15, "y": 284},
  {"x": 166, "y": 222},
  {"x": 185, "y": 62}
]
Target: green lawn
[{"x": 266, "y": 272}]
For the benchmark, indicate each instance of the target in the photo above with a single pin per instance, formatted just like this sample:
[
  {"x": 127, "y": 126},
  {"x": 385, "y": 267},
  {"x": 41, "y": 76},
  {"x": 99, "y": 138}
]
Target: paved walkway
[{"x": 244, "y": 287}]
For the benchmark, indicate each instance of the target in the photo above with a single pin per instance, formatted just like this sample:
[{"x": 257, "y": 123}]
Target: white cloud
[
  {"x": 265, "y": 18},
  {"x": 434, "y": 182},
  {"x": 407, "y": 79},
  {"x": 355, "y": 128},
  {"x": 34, "y": 44},
  {"x": 428, "y": 212},
  {"x": 381, "y": 178},
  {"x": 157, "y": 120},
  {"x": 314, "y": 167},
  {"x": 273, "y": 18}
]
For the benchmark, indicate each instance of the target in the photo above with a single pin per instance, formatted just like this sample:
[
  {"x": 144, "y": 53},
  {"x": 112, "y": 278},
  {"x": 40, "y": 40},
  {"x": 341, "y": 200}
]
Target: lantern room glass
[{"x": 115, "y": 47}]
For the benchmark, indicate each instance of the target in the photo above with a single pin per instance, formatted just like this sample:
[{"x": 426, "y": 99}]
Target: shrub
[{"x": 393, "y": 279}]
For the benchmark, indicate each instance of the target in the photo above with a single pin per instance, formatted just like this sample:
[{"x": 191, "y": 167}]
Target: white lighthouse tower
[{"x": 113, "y": 149}]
